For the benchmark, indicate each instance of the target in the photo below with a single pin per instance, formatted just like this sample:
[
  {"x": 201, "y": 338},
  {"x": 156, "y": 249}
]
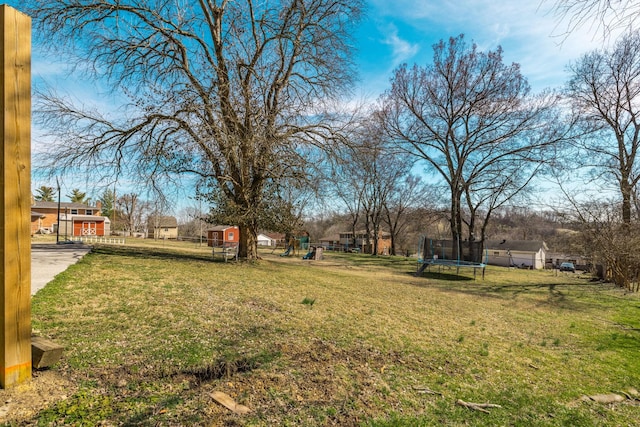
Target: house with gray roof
[
  {"x": 517, "y": 253},
  {"x": 162, "y": 227}
]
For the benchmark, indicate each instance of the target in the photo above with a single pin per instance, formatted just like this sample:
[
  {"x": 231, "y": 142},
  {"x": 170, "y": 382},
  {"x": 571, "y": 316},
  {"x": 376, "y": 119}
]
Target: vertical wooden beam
[{"x": 15, "y": 197}]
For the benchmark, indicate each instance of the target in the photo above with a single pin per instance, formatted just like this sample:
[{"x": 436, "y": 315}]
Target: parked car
[{"x": 568, "y": 266}]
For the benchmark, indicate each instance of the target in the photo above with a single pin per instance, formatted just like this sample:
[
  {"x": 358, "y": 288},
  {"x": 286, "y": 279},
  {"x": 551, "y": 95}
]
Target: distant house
[
  {"x": 73, "y": 219},
  {"x": 517, "y": 253},
  {"x": 331, "y": 242},
  {"x": 358, "y": 241},
  {"x": 266, "y": 240},
  {"x": 162, "y": 227},
  {"x": 223, "y": 235},
  {"x": 277, "y": 239}
]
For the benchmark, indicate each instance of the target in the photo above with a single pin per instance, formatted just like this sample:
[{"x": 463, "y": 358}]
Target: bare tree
[
  {"x": 610, "y": 244},
  {"x": 384, "y": 173},
  {"x": 605, "y": 95},
  {"x": 472, "y": 119},
  {"x": 347, "y": 182},
  {"x": 606, "y": 15},
  {"x": 225, "y": 90},
  {"x": 370, "y": 159},
  {"x": 408, "y": 193},
  {"x": 189, "y": 221},
  {"x": 156, "y": 215},
  {"x": 131, "y": 211},
  {"x": 495, "y": 187},
  {"x": 365, "y": 176},
  {"x": 287, "y": 206}
]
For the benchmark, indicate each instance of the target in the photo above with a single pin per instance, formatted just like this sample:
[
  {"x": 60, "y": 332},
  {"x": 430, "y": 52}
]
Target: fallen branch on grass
[
  {"x": 426, "y": 390},
  {"x": 477, "y": 406}
]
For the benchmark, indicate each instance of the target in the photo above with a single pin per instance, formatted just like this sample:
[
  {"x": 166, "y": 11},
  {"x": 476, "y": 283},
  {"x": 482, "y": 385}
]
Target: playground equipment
[
  {"x": 315, "y": 253},
  {"x": 291, "y": 247},
  {"x": 451, "y": 254},
  {"x": 295, "y": 243}
]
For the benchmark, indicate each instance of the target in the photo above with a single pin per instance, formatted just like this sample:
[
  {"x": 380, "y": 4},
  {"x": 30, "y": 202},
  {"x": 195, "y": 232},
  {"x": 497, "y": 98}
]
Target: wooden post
[{"x": 15, "y": 195}]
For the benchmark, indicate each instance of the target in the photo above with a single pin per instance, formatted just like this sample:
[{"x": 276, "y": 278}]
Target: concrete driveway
[{"x": 49, "y": 260}]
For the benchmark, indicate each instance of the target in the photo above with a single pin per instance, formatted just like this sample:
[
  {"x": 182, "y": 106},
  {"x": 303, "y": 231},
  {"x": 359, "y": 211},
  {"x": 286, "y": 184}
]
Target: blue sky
[{"x": 404, "y": 31}]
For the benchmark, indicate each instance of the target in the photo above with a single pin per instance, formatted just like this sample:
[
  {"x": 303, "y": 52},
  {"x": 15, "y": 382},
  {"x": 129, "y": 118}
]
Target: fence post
[{"x": 15, "y": 207}]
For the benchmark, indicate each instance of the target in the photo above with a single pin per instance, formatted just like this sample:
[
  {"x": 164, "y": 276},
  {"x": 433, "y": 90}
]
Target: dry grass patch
[{"x": 150, "y": 333}]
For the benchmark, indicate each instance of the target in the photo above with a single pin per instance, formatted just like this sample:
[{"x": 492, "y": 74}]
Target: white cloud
[
  {"x": 401, "y": 49},
  {"x": 528, "y": 31}
]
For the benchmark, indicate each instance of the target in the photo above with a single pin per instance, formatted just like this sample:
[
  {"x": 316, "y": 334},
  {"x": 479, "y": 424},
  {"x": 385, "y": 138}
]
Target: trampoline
[{"x": 451, "y": 254}]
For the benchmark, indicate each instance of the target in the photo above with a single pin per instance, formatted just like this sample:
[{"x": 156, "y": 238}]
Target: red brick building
[{"x": 74, "y": 219}]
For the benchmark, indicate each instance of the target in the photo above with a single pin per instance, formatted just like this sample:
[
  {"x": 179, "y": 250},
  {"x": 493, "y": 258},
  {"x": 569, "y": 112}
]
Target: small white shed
[
  {"x": 517, "y": 253},
  {"x": 264, "y": 240}
]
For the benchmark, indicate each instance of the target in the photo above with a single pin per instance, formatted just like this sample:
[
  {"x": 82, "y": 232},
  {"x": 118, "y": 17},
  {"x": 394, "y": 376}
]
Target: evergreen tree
[
  {"x": 108, "y": 200},
  {"x": 44, "y": 194},
  {"x": 78, "y": 196}
]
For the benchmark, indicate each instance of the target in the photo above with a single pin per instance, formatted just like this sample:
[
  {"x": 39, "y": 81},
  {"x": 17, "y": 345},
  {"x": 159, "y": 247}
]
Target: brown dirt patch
[{"x": 21, "y": 402}]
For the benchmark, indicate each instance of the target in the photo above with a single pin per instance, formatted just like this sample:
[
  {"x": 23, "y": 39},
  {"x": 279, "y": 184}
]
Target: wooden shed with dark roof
[{"x": 223, "y": 235}]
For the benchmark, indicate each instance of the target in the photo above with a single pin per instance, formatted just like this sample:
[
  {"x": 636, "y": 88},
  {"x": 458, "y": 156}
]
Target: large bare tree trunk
[
  {"x": 248, "y": 242},
  {"x": 626, "y": 192},
  {"x": 226, "y": 91}
]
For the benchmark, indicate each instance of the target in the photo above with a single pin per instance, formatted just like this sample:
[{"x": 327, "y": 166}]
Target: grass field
[{"x": 353, "y": 340}]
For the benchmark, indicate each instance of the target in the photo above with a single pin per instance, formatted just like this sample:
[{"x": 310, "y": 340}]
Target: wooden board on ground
[
  {"x": 44, "y": 353},
  {"x": 226, "y": 401}
]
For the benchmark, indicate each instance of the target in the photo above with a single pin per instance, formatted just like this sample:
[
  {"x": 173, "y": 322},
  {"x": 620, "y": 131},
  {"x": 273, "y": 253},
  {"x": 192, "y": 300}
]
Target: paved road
[{"x": 49, "y": 260}]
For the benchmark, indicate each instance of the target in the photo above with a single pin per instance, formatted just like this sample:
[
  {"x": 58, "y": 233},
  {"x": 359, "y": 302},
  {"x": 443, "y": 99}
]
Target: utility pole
[
  {"x": 15, "y": 192},
  {"x": 58, "y": 226},
  {"x": 113, "y": 211},
  {"x": 200, "y": 218}
]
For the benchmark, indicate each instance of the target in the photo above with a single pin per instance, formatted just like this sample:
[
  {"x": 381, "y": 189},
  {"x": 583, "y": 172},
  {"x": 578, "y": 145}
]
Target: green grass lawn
[{"x": 151, "y": 332}]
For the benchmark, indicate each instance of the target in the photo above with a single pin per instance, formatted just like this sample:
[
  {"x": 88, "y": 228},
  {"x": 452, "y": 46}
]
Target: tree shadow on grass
[
  {"x": 627, "y": 340},
  {"x": 553, "y": 294},
  {"x": 156, "y": 253},
  {"x": 449, "y": 277},
  {"x": 557, "y": 295}
]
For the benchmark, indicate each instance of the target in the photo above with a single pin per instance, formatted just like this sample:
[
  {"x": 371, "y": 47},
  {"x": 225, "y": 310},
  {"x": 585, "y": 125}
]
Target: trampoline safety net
[{"x": 431, "y": 250}]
